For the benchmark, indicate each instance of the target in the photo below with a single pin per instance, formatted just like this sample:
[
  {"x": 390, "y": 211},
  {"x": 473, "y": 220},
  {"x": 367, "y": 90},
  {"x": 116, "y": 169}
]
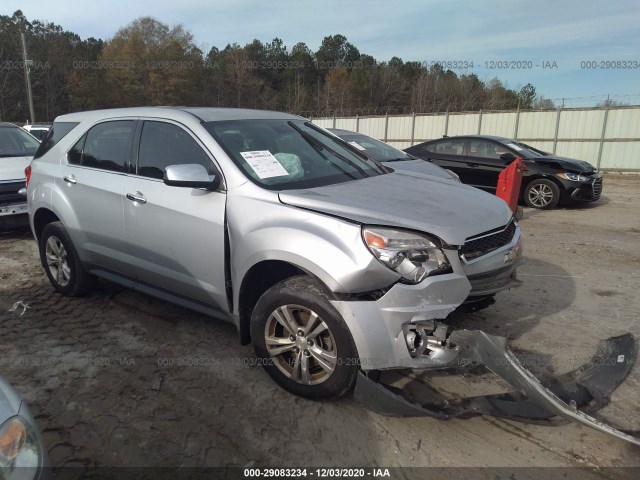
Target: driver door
[{"x": 175, "y": 234}]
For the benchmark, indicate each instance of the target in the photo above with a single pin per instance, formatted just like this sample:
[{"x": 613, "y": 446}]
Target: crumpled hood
[
  {"x": 565, "y": 164},
  {"x": 12, "y": 168},
  {"x": 451, "y": 211}
]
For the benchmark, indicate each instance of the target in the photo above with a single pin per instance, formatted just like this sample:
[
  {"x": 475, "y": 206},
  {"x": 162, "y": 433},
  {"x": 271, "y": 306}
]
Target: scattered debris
[{"x": 158, "y": 382}]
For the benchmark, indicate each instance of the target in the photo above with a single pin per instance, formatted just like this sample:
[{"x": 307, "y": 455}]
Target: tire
[
  {"x": 542, "y": 193},
  {"x": 61, "y": 262},
  {"x": 326, "y": 347}
]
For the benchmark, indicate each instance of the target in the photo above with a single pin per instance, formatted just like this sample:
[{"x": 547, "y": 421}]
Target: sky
[{"x": 571, "y": 49}]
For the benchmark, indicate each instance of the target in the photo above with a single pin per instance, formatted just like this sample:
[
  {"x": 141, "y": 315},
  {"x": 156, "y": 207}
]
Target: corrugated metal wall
[{"x": 607, "y": 138}]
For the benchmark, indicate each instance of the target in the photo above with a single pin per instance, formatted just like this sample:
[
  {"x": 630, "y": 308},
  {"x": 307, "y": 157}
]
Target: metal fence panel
[
  {"x": 346, "y": 123},
  {"x": 373, "y": 126},
  {"x": 500, "y": 124},
  {"x": 624, "y": 156},
  {"x": 537, "y": 125},
  {"x": 580, "y": 124},
  {"x": 463, "y": 124},
  {"x": 623, "y": 123},
  {"x": 587, "y": 151},
  {"x": 429, "y": 127}
]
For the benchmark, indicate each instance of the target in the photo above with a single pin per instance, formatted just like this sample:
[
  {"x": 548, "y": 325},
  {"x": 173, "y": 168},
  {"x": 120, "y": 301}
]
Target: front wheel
[
  {"x": 61, "y": 262},
  {"x": 542, "y": 193},
  {"x": 302, "y": 340}
]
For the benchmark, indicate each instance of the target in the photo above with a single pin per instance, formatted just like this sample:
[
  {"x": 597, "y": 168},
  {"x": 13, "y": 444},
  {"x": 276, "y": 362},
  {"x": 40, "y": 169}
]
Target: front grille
[
  {"x": 9, "y": 193},
  {"x": 597, "y": 187},
  {"x": 488, "y": 242}
]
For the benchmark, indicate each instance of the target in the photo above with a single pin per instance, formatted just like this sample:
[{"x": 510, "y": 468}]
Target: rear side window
[
  {"x": 54, "y": 135},
  {"x": 447, "y": 147},
  {"x": 106, "y": 146},
  {"x": 163, "y": 144}
]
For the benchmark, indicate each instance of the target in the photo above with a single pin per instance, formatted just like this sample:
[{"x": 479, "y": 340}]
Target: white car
[
  {"x": 17, "y": 148},
  {"x": 38, "y": 131}
]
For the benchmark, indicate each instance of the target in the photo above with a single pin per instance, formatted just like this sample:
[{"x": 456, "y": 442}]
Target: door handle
[
  {"x": 70, "y": 179},
  {"x": 474, "y": 165},
  {"x": 137, "y": 197}
]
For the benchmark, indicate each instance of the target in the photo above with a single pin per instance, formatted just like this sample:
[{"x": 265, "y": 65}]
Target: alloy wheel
[
  {"x": 57, "y": 261},
  {"x": 301, "y": 344},
  {"x": 540, "y": 195}
]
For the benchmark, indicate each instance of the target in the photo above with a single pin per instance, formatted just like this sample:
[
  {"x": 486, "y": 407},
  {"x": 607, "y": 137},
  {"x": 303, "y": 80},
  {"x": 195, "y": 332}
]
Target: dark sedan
[{"x": 479, "y": 159}]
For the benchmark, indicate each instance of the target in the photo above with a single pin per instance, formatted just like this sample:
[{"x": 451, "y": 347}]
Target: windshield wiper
[
  {"x": 354, "y": 149},
  {"x": 399, "y": 159},
  {"x": 319, "y": 146}
]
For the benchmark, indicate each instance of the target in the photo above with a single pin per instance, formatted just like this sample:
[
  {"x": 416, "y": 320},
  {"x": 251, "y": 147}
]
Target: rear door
[
  {"x": 92, "y": 180},
  {"x": 484, "y": 163},
  {"x": 447, "y": 153},
  {"x": 175, "y": 235}
]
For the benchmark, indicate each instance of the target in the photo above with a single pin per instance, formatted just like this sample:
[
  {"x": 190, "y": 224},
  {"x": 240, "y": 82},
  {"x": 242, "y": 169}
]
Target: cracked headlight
[
  {"x": 574, "y": 177},
  {"x": 19, "y": 450},
  {"x": 413, "y": 256}
]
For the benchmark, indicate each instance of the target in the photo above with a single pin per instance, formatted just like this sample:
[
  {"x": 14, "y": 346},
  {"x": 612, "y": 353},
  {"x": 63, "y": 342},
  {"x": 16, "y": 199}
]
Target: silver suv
[{"x": 327, "y": 261}]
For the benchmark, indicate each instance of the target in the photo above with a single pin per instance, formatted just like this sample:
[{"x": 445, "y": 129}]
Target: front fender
[{"x": 329, "y": 248}]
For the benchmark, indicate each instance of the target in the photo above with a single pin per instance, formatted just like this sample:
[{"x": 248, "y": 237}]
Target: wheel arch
[
  {"x": 257, "y": 280},
  {"x": 41, "y": 218},
  {"x": 540, "y": 176}
]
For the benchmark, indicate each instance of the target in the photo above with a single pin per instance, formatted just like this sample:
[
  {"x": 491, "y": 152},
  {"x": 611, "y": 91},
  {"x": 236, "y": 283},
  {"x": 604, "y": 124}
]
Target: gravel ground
[{"x": 86, "y": 366}]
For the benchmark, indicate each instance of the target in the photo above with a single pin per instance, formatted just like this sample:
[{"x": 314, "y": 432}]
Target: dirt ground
[{"x": 86, "y": 366}]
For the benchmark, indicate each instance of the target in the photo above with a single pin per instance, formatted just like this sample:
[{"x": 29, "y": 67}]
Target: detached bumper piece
[{"x": 588, "y": 386}]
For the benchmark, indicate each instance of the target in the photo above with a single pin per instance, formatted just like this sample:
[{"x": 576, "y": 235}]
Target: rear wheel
[
  {"x": 302, "y": 340},
  {"x": 61, "y": 262},
  {"x": 542, "y": 193}
]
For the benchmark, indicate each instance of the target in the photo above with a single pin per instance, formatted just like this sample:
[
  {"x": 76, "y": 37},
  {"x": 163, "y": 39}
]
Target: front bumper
[
  {"x": 379, "y": 327},
  {"x": 588, "y": 191}
]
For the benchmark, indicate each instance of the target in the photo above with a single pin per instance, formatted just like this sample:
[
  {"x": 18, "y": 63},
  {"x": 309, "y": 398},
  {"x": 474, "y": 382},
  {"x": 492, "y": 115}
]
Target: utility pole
[{"x": 27, "y": 77}]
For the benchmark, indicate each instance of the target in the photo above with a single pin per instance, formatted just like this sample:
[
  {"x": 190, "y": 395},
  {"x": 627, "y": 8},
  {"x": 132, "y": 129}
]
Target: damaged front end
[{"x": 589, "y": 386}]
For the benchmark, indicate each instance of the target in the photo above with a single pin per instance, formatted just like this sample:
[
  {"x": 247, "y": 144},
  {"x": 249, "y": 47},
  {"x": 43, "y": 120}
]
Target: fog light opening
[{"x": 414, "y": 340}]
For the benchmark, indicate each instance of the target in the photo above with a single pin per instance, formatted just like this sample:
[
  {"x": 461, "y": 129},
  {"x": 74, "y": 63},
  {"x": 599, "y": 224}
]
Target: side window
[
  {"x": 448, "y": 147},
  {"x": 107, "y": 146},
  {"x": 163, "y": 144},
  {"x": 53, "y": 136},
  {"x": 483, "y": 148},
  {"x": 74, "y": 156}
]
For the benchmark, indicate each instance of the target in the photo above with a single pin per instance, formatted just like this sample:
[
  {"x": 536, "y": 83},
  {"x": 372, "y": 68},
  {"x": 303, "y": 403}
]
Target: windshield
[
  {"x": 525, "y": 150},
  {"x": 288, "y": 154},
  {"x": 375, "y": 148},
  {"x": 15, "y": 142}
]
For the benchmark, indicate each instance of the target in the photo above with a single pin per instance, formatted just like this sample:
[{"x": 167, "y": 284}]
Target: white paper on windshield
[
  {"x": 357, "y": 145},
  {"x": 515, "y": 147},
  {"x": 264, "y": 164}
]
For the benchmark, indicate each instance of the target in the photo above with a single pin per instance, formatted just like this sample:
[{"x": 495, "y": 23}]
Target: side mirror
[
  {"x": 508, "y": 157},
  {"x": 191, "y": 175}
]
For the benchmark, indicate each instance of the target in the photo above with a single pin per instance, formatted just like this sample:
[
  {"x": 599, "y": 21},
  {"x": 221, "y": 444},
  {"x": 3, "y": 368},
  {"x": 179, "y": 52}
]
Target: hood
[
  {"x": 418, "y": 166},
  {"x": 565, "y": 164},
  {"x": 12, "y": 168},
  {"x": 451, "y": 211}
]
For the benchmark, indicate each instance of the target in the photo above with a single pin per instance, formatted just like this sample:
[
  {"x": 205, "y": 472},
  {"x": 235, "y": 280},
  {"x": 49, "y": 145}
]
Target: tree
[
  {"x": 526, "y": 96},
  {"x": 148, "y": 63},
  {"x": 542, "y": 103}
]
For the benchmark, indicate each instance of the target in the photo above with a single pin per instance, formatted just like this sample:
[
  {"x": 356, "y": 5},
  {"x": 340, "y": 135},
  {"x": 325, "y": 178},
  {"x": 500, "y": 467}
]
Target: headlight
[
  {"x": 18, "y": 448},
  {"x": 411, "y": 255},
  {"x": 574, "y": 177}
]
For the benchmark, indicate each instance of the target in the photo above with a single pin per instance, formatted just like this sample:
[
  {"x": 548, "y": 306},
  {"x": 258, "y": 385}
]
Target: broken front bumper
[{"x": 588, "y": 386}]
